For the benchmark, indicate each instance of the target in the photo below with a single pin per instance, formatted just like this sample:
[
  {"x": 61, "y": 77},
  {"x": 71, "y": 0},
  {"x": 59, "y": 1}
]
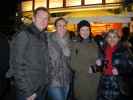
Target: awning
[{"x": 99, "y": 17}]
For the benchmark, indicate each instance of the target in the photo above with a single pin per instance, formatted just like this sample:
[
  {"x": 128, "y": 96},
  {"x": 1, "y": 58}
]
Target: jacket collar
[{"x": 34, "y": 29}]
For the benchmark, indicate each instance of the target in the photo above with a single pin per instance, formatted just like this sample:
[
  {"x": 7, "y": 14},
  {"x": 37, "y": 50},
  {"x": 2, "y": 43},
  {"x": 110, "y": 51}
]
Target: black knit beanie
[{"x": 82, "y": 23}]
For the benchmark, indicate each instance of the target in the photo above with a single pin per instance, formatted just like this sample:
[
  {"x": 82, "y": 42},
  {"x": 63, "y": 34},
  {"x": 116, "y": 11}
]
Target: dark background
[{"x": 8, "y": 10}]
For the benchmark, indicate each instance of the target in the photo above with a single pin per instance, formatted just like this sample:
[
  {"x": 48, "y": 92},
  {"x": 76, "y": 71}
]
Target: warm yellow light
[
  {"x": 113, "y": 1},
  {"x": 51, "y": 28},
  {"x": 73, "y": 2},
  {"x": 86, "y": 8},
  {"x": 27, "y": 6},
  {"x": 93, "y": 1},
  {"x": 71, "y": 27},
  {"x": 92, "y": 13},
  {"x": 55, "y": 3},
  {"x": 39, "y": 3}
]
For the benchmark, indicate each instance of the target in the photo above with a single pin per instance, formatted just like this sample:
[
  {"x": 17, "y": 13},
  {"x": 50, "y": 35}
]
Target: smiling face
[
  {"x": 61, "y": 28},
  {"x": 41, "y": 19},
  {"x": 112, "y": 39},
  {"x": 84, "y": 32}
]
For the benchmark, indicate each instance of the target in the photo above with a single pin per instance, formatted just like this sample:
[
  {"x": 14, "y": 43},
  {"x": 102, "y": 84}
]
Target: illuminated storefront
[
  {"x": 27, "y": 4},
  {"x": 99, "y": 13}
]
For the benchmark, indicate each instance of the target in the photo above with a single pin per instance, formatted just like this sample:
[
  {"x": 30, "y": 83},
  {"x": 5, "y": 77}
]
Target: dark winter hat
[{"x": 82, "y": 23}]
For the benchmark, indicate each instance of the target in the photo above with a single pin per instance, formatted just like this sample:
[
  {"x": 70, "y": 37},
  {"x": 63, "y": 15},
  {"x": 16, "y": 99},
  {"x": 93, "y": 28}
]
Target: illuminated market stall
[{"x": 102, "y": 14}]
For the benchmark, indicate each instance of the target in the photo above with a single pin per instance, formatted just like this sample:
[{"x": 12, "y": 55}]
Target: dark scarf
[{"x": 87, "y": 40}]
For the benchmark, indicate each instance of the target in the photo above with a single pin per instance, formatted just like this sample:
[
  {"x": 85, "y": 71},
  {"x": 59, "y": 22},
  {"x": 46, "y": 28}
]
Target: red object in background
[{"x": 117, "y": 26}]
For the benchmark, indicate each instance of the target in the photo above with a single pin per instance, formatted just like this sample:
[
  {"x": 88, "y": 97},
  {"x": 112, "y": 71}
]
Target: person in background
[
  {"x": 99, "y": 39},
  {"x": 125, "y": 37},
  {"x": 125, "y": 34},
  {"x": 60, "y": 74},
  {"x": 73, "y": 36},
  {"x": 84, "y": 54},
  {"x": 131, "y": 33},
  {"x": 29, "y": 58},
  {"x": 116, "y": 62}
]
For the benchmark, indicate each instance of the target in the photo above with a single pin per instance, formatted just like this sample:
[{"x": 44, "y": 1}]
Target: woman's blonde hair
[{"x": 112, "y": 31}]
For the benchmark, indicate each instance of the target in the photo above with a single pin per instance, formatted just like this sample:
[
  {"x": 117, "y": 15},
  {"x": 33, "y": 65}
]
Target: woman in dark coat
[
  {"x": 84, "y": 54},
  {"x": 115, "y": 63}
]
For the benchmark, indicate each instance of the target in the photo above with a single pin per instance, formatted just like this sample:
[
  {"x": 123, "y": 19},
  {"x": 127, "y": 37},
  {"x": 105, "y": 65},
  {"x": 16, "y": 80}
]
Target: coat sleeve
[
  {"x": 129, "y": 62},
  {"x": 20, "y": 64},
  {"x": 126, "y": 63}
]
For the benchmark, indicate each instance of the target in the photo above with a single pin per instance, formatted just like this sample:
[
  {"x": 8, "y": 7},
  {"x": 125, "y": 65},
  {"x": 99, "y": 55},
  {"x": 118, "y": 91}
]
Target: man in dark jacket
[
  {"x": 29, "y": 58},
  {"x": 4, "y": 64}
]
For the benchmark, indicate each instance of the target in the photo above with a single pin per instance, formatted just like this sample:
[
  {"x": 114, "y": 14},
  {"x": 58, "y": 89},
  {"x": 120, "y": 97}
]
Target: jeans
[
  {"x": 24, "y": 98},
  {"x": 58, "y": 93}
]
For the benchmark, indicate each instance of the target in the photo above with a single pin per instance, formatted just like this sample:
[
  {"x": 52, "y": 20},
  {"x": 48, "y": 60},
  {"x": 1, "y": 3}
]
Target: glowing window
[
  {"x": 73, "y": 2},
  {"x": 55, "y": 3},
  {"x": 40, "y": 3},
  {"x": 26, "y": 5},
  {"x": 113, "y": 1},
  {"x": 93, "y": 2}
]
